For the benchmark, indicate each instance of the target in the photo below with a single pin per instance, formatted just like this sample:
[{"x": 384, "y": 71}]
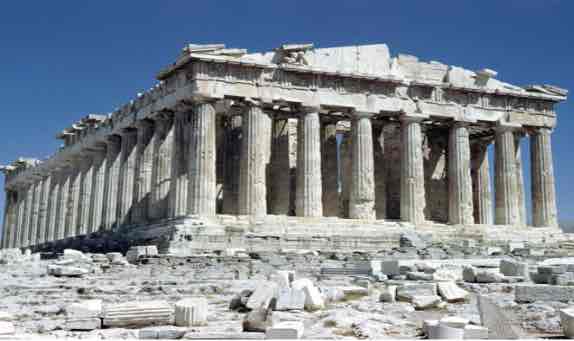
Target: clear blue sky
[{"x": 60, "y": 60}]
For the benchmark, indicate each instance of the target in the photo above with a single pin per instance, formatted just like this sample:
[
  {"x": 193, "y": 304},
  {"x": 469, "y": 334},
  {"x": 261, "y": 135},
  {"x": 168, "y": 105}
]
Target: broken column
[
  {"x": 137, "y": 314},
  {"x": 191, "y": 312}
]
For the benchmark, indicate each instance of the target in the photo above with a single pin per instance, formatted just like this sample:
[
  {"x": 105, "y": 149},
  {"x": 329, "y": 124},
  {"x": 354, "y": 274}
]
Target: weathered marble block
[
  {"x": 135, "y": 314},
  {"x": 191, "y": 312}
]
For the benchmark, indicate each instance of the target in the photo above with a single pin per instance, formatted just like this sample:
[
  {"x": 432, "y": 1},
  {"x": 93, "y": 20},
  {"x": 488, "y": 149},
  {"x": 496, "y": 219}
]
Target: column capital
[
  {"x": 413, "y": 117},
  {"x": 539, "y": 131},
  {"x": 507, "y": 126}
]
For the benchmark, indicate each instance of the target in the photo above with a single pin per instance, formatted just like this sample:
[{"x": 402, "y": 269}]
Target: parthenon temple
[{"x": 293, "y": 148}]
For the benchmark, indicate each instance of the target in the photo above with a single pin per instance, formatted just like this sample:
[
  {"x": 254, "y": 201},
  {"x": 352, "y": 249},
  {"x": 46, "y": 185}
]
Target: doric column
[
  {"x": 86, "y": 178},
  {"x": 520, "y": 194},
  {"x": 232, "y": 165},
  {"x": 283, "y": 146},
  {"x": 7, "y": 224},
  {"x": 43, "y": 212},
  {"x": 202, "y": 178},
  {"x": 13, "y": 231},
  {"x": 34, "y": 217},
  {"x": 180, "y": 163},
  {"x": 161, "y": 175},
  {"x": 362, "y": 196},
  {"x": 112, "y": 181},
  {"x": 330, "y": 169},
  {"x": 460, "y": 182},
  {"x": 52, "y": 218},
  {"x": 544, "y": 211},
  {"x": 480, "y": 173},
  {"x": 127, "y": 177},
  {"x": 507, "y": 210},
  {"x": 254, "y": 157},
  {"x": 73, "y": 205},
  {"x": 97, "y": 198},
  {"x": 380, "y": 166},
  {"x": 413, "y": 201},
  {"x": 22, "y": 216},
  {"x": 60, "y": 230},
  {"x": 309, "y": 197},
  {"x": 143, "y": 170},
  {"x": 346, "y": 157}
]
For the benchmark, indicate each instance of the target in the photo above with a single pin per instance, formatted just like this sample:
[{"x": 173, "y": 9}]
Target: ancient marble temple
[{"x": 228, "y": 138}]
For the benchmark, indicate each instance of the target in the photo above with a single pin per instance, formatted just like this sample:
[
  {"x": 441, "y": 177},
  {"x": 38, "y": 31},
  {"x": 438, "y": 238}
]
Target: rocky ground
[{"x": 292, "y": 294}]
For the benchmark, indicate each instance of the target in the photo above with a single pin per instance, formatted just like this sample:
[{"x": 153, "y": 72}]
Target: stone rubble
[{"x": 174, "y": 298}]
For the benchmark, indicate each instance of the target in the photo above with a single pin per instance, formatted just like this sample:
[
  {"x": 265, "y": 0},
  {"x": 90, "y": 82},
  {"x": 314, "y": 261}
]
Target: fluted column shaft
[
  {"x": 22, "y": 216},
  {"x": 35, "y": 213},
  {"x": 482, "y": 193},
  {"x": 202, "y": 150},
  {"x": 330, "y": 170},
  {"x": 112, "y": 181},
  {"x": 544, "y": 211},
  {"x": 63, "y": 199},
  {"x": 254, "y": 158},
  {"x": 413, "y": 201},
  {"x": 51, "y": 221},
  {"x": 143, "y": 171},
  {"x": 309, "y": 197},
  {"x": 43, "y": 212},
  {"x": 7, "y": 223},
  {"x": 162, "y": 172},
  {"x": 381, "y": 164},
  {"x": 127, "y": 177},
  {"x": 180, "y": 163},
  {"x": 98, "y": 187},
  {"x": 16, "y": 210},
  {"x": 460, "y": 182},
  {"x": 362, "y": 196},
  {"x": 520, "y": 190},
  {"x": 232, "y": 165},
  {"x": 86, "y": 177},
  {"x": 507, "y": 210}
]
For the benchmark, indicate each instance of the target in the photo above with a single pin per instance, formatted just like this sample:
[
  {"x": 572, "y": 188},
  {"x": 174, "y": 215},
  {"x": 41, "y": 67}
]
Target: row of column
[{"x": 166, "y": 167}]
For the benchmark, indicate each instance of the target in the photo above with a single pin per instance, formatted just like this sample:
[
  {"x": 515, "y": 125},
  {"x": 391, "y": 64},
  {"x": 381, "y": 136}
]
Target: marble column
[
  {"x": 143, "y": 170},
  {"x": 73, "y": 206},
  {"x": 35, "y": 212},
  {"x": 13, "y": 231},
  {"x": 62, "y": 206},
  {"x": 282, "y": 146},
  {"x": 544, "y": 211},
  {"x": 180, "y": 163},
  {"x": 97, "y": 198},
  {"x": 460, "y": 182},
  {"x": 482, "y": 193},
  {"x": 309, "y": 197},
  {"x": 162, "y": 172},
  {"x": 127, "y": 177},
  {"x": 51, "y": 221},
  {"x": 380, "y": 165},
  {"x": 506, "y": 210},
  {"x": 202, "y": 149},
  {"x": 22, "y": 216},
  {"x": 43, "y": 212},
  {"x": 254, "y": 158},
  {"x": 6, "y": 226},
  {"x": 112, "y": 181},
  {"x": 86, "y": 177},
  {"x": 330, "y": 169},
  {"x": 232, "y": 165},
  {"x": 413, "y": 200},
  {"x": 362, "y": 191},
  {"x": 520, "y": 191},
  {"x": 346, "y": 157}
]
